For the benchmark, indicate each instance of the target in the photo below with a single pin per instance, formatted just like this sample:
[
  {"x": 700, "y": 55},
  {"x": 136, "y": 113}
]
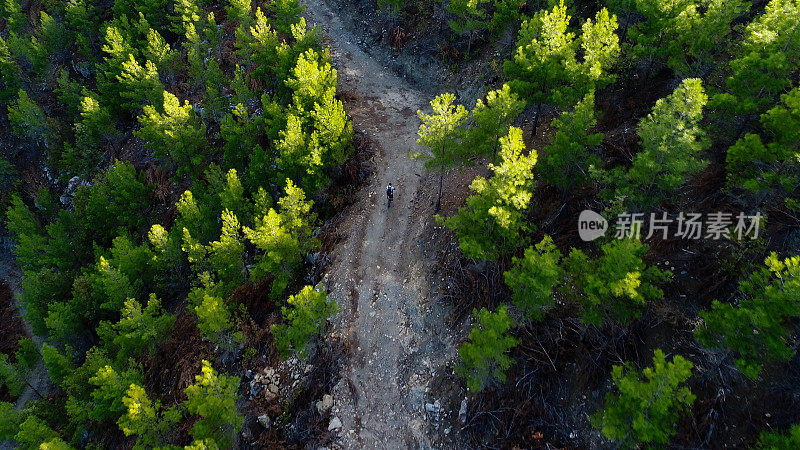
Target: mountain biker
[{"x": 390, "y": 192}]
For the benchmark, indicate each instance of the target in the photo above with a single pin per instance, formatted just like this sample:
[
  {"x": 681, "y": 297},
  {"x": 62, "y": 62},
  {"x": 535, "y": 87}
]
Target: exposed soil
[
  {"x": 383, "y": 273},
  {"x": 15, "y": 327}
]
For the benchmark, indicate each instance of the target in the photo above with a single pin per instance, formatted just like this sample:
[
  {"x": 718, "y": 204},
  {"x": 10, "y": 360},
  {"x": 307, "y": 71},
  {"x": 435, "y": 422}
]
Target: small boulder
[
  {"x": 264, "y": 421},
  {"x": 334, "y": 424},
  {"x": 462, "y": 412},
  {"x": 325, "y": 404},
  {"x": 434, "y": 410}
]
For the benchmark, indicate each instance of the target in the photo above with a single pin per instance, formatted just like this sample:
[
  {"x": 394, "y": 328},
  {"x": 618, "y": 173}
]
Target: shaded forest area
[{"x": 165, "y": 169}]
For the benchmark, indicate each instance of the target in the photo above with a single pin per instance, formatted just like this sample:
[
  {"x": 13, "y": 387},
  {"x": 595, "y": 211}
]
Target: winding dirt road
[{"x": 380, "y": 276}]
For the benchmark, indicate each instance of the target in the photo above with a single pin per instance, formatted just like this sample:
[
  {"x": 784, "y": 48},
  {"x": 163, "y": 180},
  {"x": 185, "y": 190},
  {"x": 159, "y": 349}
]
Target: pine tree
[
  {"x": 226, "y": 256},
  {"x": 684, "y": 33},
  {"x": 119, "y": 49},
  {"x": 240, "y": 131},
  {"x": 83, "y": 24},
  {"x": 15, "y": 18},
  {"x": 199, "y": 214},
  {"x": 756, "y": 328},
  {"x": 533, "y": 278},
  {"x": 9, "y": 74},
  {"x": 484, "y": 358},
  {"x": 470, "y": 18},
  {"x": 546, "y": 68},
  {"x": 111, "y": 387},
  {"x": 27, "y": 232},
  {"x": 115, "y": 204},
  {"x": 14, "y": 375},
  {"x": 286, "y": 13},
  {"x": 28, "y": 119},
  {"x": 671, "y": 140},
  {"x": 187, "y": 13},
  {"x": 240, "y": 11},
  {"x": 30, "y": 50},
  {"x": 176, "y": 135},
  {"x": 283, "y": 237},
  {"x": 140, "y": 84},
  {"x": 567, "y": 159},
  {"x": 492, "y": 221},
  {"x": 204, "y": 444},
  {"x": 145, "y": 419},
  {"x": 94, "y": 129},
  {"x": 58, "y": 366},
  {"x": 81, "y": 406},
  {"x": 12, "y": 419},
  {"x": 10, "y": 376},
  {"x": 151, "y": 10},
  {"x": 311, "y": 79},
  {"x": 33, "y": 432},
  {"x": 27, "y": 354},
  {"x": 491, "y": 120},
  {"x": 600, "y": 48},
  {"x": 649, "y": 402},
  {"x": 616, "y": 285},
  {"x": 775, "y": 440},
  {"x": 52, "y": 33},
  {"x": 214, "y": 317},
  {"x": 120, "y": 275},
  {"x": 159, "y": 51},
  {"x": 543, "y": 48},
  {"x": 213, "y": 398},
  {"x": 769, "y": 53},
  {"x": 759, "y": 166},
  {"x": 55, "y": 444},
  {"x": 300, "y": 154},
  {"x": 442, "y": 133},
  {"x": 304, "y": 318},
  {"x": 138, "y": 330},
  {"x": 505, "y": 12},
  {"x": 261, "y": 45},
  {"x": 332, "y": 129}
]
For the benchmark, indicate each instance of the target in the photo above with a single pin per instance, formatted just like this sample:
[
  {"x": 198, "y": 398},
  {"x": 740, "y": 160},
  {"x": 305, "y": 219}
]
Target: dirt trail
[
  {"x": 38, "y": 381},
  {"x": 380, "y": 276}
]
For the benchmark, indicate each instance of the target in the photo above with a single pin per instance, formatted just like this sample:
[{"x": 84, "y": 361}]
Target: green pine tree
[
  {"x": 491, "y": 120},
  {"x": 304, "y": 318},
  {"x": 756, "y": 329},
  {"x": 176, "y": 135},
  {"x": 283, "y": 238},
  {"x": 616, "y": 285},
  {"x": 213, "y": 398},
  {"x": 648, "y": 404},
  {"x": 671, "y": 139},
  {"x": 146, "y": 419},
  {"x": 546, "y": 67},
  {"x": 534, "y": 277},
  {"x": 28, "y": 120},
  {"x": 492, "y": 221},
  {"x": 758, "y": 166},
  {"x": 442, "y": 133},
  {"x": 769, "y": 53},
  {"x": 567, "y": 159},
  {"x": 484, "y": 358}
]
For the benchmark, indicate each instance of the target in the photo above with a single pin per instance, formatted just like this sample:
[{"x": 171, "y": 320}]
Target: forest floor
[{"x": 382, "y": 274}]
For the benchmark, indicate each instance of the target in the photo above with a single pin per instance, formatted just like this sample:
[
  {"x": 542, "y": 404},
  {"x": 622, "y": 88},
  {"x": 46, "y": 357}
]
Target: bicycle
[{"x": 389, "y": 195}]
